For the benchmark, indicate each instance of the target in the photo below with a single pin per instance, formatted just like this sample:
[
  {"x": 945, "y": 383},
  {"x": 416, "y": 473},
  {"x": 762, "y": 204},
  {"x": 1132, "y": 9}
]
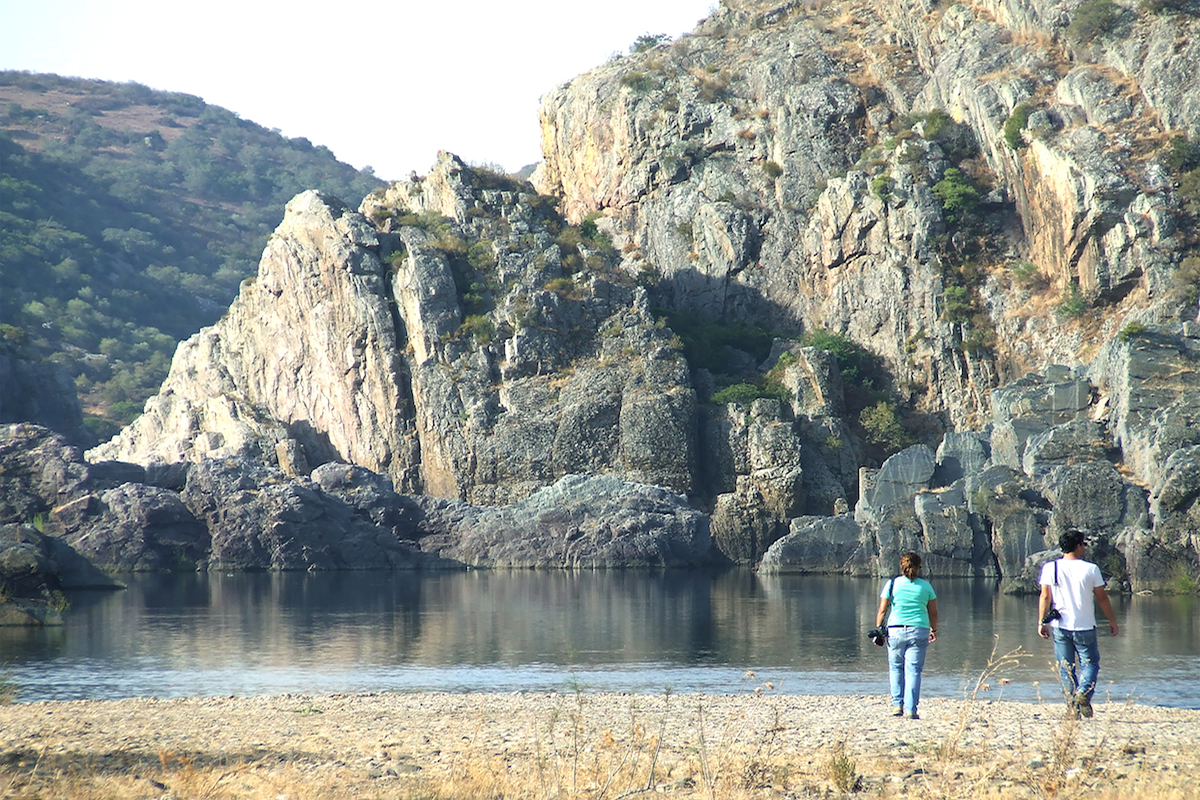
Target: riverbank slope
[{"x": 422, "y": 745}]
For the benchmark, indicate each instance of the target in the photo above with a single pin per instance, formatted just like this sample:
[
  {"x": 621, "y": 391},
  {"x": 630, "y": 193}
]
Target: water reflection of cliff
[{"x": 735, "y": 620}]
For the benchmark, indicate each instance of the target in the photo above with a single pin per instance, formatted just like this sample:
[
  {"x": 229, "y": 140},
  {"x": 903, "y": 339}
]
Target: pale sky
[{"x": 384, "y": 84}]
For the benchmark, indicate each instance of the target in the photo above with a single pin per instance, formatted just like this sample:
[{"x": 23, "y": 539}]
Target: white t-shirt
[{"x": 1075, "y": 592}]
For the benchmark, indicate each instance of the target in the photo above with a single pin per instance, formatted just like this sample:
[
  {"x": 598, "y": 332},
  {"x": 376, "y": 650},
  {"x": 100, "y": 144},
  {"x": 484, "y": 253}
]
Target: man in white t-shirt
[{"x": 1073, "y": 587}]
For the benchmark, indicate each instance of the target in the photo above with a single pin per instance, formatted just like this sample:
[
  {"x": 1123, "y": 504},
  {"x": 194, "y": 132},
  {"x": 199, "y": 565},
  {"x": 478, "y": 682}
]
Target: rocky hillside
[
  {"x": 128, "y": 217},
  {"x": 843, "y": 279}
]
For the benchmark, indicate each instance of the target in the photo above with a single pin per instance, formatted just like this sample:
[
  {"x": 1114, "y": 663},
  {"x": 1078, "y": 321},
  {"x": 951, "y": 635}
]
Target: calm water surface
[{"x": 248, "y": 634}]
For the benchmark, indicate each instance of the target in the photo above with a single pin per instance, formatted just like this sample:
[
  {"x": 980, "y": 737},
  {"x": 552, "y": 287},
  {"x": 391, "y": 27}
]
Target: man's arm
[
  {"x": 1044, "y": 603},
  {"x": 1106, "y": 606}
]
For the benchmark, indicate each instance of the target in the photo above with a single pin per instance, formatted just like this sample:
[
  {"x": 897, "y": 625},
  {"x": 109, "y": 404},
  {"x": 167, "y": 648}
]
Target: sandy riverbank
[{"x": 589, "y": 745}]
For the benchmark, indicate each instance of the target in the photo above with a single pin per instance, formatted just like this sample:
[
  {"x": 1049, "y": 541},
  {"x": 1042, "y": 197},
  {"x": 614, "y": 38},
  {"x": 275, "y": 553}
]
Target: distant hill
[{"x": 128, "y": 218}]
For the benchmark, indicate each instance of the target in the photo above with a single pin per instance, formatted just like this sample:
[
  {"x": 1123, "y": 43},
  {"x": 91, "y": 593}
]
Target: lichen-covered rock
[
  {"x": 1015, "y": 514},
  {"x": 456, "y": 346},
  {"x": 901, "y": 476},
  {"x": 754, "y": 467},
  {"x": 308, "y": 351},
  {"x": 953, "y": 546},
  {"x": 1093, "y": 497},
  {"x": 1077, "y": 441}
]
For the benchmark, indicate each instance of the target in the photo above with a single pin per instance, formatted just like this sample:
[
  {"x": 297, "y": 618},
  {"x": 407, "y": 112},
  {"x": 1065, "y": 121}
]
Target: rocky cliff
[
  {"x": 928, "y": 179},
  {"x": 844, "y": 278}
]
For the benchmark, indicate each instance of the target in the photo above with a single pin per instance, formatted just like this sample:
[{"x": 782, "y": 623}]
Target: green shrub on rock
[
  {"x": 1093, "y": 19},
  {"x": 883, "y": 428},
  {"x": 647, "y": 41},
  {"x": 1016, "y": 123},
  {"x": 959, "y": 198}
]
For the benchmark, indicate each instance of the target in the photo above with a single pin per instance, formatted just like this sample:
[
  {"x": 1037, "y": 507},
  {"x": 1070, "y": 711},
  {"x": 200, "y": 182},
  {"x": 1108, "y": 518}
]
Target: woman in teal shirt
[{"x": 912, "y": 625}]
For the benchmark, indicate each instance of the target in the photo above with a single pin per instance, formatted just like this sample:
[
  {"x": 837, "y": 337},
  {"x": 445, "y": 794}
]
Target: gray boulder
[
  {"x": 258, "y": 518},
  {"x": 38, "y": 470},
  {"x": 1029, "y": 407},
  {"x": 1074, "y": 442},
  {"x": 820, "y": 545},
  {"x": 133, "y": 528},
  {"x": 1180, "y": 487},
  {"x": 953, "y": 545},
  {"x": 107, "y": 474},
  {"x": 901, "y": 476},
  {"x": 579, "y": 522},
  {"x": 961, "y": 453},
  {"x": 1095, "y": 498}
]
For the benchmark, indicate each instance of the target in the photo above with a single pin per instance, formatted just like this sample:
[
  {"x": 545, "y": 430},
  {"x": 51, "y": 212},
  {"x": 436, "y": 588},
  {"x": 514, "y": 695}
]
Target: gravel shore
[{"x": 417, "y": 745}]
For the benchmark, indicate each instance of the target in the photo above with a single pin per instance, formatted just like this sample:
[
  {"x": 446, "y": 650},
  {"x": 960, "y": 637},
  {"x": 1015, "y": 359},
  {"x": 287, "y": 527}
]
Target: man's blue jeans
[
  {"x": 1070, "y": 646},
  {"x": 906, "y": 659}
]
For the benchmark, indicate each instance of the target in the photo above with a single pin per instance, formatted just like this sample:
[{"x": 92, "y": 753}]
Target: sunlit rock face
[
  {"x": 307, "y": 351},
  {"x": 358, "y": 343}
]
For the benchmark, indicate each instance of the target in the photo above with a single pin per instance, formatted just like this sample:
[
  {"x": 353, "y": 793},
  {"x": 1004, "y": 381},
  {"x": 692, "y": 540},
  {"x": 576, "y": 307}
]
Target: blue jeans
[
  {"x": 1081, "y": 645},
  {"x": 906, "y": 659}
]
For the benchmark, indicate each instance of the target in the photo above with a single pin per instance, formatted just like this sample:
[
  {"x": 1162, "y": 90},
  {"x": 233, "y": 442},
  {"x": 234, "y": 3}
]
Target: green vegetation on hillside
[{"x": 128, "y": 219}]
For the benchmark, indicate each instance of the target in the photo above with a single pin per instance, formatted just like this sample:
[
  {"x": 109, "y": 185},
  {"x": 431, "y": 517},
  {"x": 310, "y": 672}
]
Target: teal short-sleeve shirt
[{"x": 910, "y": 601}]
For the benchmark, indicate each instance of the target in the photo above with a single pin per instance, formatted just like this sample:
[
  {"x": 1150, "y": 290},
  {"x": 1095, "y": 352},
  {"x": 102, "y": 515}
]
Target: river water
[{"x": 644, "y": 632}]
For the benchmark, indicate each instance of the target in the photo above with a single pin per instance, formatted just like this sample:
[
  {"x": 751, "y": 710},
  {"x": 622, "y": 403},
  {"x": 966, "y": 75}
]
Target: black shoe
[
  {"x": 1083, "y": 704},
  {"x": 914, "y": 715}
]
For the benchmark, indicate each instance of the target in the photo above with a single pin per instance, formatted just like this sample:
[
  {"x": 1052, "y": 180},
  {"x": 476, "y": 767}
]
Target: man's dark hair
[{"x": 1069, "y": 540}]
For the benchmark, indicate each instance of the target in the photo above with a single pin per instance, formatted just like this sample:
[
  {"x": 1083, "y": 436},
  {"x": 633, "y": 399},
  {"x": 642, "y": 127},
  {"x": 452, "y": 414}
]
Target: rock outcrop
[
  {"x": 849, "y": 150},
  {"x": 459, "y": 348},
  {"x": 239, "y": 513},
  {"x": 993, "y": 505},
  {"x": 307, "y": 353}
]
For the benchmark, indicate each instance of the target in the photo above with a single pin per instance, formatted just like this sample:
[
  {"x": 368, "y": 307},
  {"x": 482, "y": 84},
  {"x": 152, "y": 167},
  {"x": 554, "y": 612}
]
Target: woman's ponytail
[{"x": 910, "y": 565}]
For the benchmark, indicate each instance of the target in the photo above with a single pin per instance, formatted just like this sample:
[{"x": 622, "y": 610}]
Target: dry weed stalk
[
  {"x": 997, "y": 664},
  {"x": 731, "y": 737}
]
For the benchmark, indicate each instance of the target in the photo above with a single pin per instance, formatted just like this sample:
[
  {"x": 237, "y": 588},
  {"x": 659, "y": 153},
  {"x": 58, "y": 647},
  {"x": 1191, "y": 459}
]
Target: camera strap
[
  {"x": 891, "y": 586},
  {"x": 1052, "y": 608}
]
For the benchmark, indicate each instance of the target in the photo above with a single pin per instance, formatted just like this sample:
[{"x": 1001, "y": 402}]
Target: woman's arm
[
  {"x": 881, "y": 615},
  {"x": 933, "y": 619}
]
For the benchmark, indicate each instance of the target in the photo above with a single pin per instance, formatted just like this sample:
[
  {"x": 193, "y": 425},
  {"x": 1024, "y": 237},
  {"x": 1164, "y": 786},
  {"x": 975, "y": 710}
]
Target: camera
[
  {"x": 1051, "y": 615},
  {"x": 878, "y": 635}
]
